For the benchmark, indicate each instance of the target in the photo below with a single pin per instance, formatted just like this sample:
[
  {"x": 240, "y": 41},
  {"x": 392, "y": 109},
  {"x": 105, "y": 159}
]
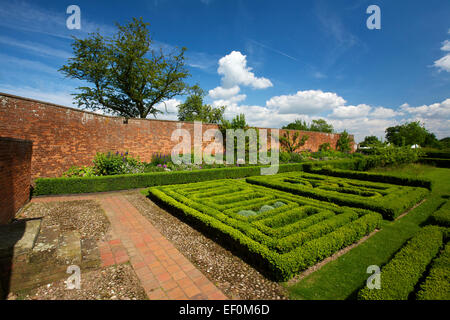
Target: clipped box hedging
[
  {"x": 437, "y": 162},
  {"x": 292, "y": 236},
  {"x": 442, "y": 215},
  {"x": 400, "y": 276},
  {"x": 46, "y": 186},
  {"x": 437, "y": 284},
  {"x": 375, "y": 177},
  {"x": 390, "y": 200}
]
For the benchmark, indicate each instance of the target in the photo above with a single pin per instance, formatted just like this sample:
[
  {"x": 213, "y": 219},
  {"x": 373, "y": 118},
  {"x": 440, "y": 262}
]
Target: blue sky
[{"x": 275, "y": 61}]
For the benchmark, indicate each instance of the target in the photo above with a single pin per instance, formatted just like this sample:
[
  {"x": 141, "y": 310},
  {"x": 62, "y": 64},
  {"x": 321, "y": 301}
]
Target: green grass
[{"x": 343, "y": 277}]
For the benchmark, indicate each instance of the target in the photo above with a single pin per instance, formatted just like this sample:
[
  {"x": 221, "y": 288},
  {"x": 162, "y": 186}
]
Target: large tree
[
  {"x": 126, "y": 77},
  {"x": 193, "y": 109},
  {"x": 409, "y": 134}
]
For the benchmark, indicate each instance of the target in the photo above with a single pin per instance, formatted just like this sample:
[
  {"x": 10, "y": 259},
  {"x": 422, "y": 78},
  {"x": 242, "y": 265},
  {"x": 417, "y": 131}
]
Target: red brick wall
[
  {"x": 15, "y": 175},
  {"x": 63, "y": 136}
]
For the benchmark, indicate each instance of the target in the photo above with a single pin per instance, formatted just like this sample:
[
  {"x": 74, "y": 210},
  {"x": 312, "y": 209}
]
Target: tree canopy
[
  {"x": 126, "y": 77},
  {"x": 371, "y": 141},
  {"x": 318, "y": 125},
  {"x": 193, "y": 109},
  {"x": 409, "y": 134}
]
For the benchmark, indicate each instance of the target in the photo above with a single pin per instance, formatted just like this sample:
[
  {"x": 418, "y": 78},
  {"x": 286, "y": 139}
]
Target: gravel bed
[
  {"x": 85, "y": 216},
  {"x": 117, "y": 282},
  {"x": 236, "y": 278}
]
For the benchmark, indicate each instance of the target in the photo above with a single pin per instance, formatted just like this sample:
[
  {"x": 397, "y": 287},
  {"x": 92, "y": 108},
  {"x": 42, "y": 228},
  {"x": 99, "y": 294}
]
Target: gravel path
[
  {"x": 85, "y": 216},
  {"x": 233, "y": 276},
  {"x": 117, "y": 282}
]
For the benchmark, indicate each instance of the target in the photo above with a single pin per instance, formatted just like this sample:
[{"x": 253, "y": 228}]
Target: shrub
[
  {"x": 401, "y": 274},
  {"x": 65, "y": 185},
  {"x": 442, "y": 215},
  {"x": 437, "y": 283},
  {"x": 325, "y": 147},
  {"x": 344, "y": 141},
  {"x": 106, "y": 164},
  {"x": 83, "y": 171}
]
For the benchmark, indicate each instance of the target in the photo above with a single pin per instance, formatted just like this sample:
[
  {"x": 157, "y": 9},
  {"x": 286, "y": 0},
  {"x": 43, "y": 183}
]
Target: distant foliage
[
  {"x": 318, "y": 125},
  {"x": 409, "y": 134},
  {"x": 343, "y": 144},
  {"x": 193, "y": 109}
]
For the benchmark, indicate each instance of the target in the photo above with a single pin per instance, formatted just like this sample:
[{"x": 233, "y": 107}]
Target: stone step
[
  {"x": 90, "y": 254},
  {"x": 18, "y": 238},
  {"x": 69, "y": 248},
  {"x": 46, "y": 244}
]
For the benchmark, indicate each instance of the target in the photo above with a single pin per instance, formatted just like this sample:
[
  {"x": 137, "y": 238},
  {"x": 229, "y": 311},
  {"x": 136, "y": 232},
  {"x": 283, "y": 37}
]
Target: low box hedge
[
  {"x": 388, "y": 199},
  {"x": 47, "y": 186},
  {"x": 375, "y": 177},
  {"x": 437, "y": 162},
  {"x": 441, "y": 216},
  {"x": 437, "y": 284},
  {"x": 400, "y": 276},
  {"x": 242, "y": 234}
]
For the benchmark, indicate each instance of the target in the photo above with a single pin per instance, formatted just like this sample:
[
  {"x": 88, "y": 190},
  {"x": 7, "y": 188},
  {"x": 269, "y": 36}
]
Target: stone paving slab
[
  {"x": 18, "y": 237},
  {"x": 163, "y": 271}
]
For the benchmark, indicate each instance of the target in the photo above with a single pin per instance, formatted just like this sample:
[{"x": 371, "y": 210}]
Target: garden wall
[
  {"x": 65, "y": 136},
  {"x": 15, "y": 176}
]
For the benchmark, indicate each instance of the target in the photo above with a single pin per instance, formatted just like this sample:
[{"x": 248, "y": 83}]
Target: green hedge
[
  {"x": 46, "y": 186},
  {"x": 437, "y": 162},
  {"x": 437, "y": 154},
  {"x": 442, "y": 215},
  {"x": 376, "y": 177},
  {"x": 400, "y": 276},
  {"x": 242, "y": 235},
  {"x": 390, "y": 200},
  {"x": 437, "y": 283}
]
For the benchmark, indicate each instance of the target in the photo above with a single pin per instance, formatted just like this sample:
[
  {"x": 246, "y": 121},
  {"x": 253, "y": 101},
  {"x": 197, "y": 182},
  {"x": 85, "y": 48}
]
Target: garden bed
[
  {"x": 280, "y": 241},
  {"x": 388, "y": 199}
]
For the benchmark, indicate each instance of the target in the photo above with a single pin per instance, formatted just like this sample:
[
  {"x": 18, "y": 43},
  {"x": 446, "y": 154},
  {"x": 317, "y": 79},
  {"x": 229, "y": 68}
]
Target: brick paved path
[{"x": 163, "y": 271}]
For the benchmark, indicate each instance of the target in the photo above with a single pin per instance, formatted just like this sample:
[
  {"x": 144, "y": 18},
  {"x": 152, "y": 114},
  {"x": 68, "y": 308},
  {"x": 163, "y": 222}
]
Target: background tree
[
  {"x": 408, "y": 134},
  {"x": 126, "y": 77},
  {"x": 297, "y": 125},
  {"x": 318, "y": 125},
  {"x": 193, "y": 109},
  {"x": 371, "y": 141},
  {"x": 343, "y": 144}
]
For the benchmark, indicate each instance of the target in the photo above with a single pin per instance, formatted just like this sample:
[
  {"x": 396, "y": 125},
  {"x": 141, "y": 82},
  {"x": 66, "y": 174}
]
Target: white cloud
[
  {"x": 306, "y": 102},
  {"x": 445, "y": 45},
  {"x": 223, "y": 93},
  {"x": 435, "y": 110},
  {"x": 63, "y": 98},
  {"x": 350, "y": 112},
  {"x": 383, "y": 113},
  {"x": 169, "y": 109},
  {"x": 234, "y": 71},
  {"x": 35, "y": 47},
  {"x": 443, "y": 63}
]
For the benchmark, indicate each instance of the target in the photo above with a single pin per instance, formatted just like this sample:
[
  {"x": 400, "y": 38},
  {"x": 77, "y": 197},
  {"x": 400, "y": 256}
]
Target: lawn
[{"x": 345, "y": 276}]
